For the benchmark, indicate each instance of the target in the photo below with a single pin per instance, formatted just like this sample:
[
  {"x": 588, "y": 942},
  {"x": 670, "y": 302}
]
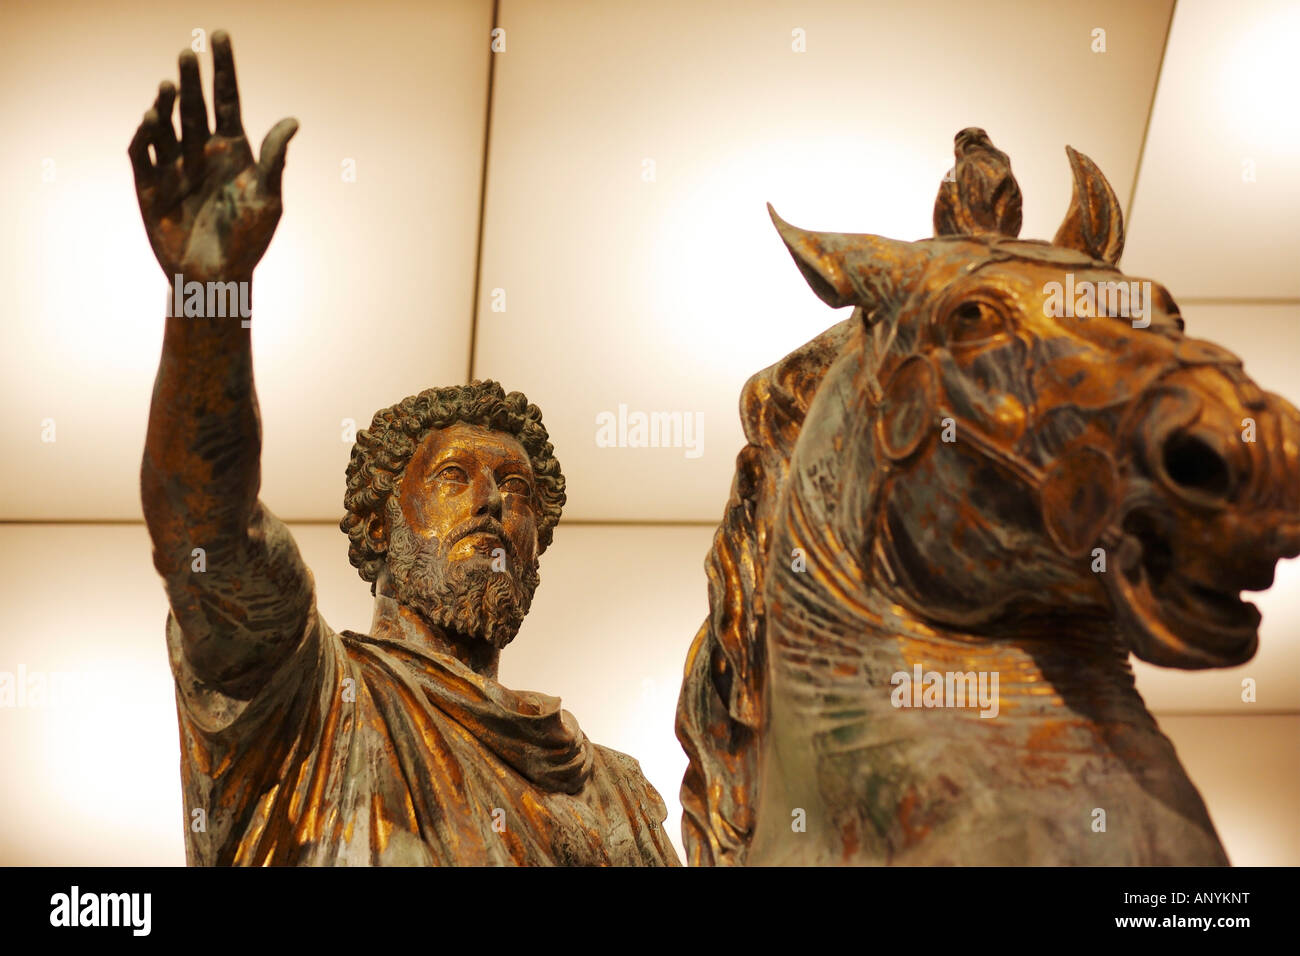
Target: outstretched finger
[
  {"x": 194, "y": 114},
  {"x": 270, "y": 162},
  {"x": 225, "y": 89},
  {"x": 164, "y": 141},
  {"x": 139, "y": 153}
]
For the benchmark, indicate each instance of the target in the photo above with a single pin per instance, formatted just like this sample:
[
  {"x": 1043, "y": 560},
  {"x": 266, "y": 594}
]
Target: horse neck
[
  {"x": 1058, "y": 686},
  {"x": 1069, "y": 672},
  {"x": 875, "y": 778},
  {"x": 881, "y": 783}
]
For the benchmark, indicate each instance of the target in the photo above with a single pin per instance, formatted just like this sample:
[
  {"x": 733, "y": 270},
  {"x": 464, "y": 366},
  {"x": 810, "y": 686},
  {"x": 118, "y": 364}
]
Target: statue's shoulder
[
  {"x": 644, "y": 808},
  {"x": 234, "y": 710},
  {"x": 619, "y": 762},
  {"x": 628, "y": 776}
]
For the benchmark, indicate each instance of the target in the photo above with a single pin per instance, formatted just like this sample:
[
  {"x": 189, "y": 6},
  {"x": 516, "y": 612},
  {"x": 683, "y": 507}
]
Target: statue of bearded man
[{"x": 302, "y": 745}]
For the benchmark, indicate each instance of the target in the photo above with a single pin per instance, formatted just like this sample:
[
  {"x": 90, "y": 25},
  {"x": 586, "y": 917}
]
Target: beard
[{"x": 468, "y": 599}]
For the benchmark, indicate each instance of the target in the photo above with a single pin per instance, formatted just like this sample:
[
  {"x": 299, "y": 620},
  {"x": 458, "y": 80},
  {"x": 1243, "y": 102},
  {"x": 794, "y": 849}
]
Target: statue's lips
[
  {"x": 1222, "y": 615},
  {"x": 485, "y": 541},
  {"x": 1176, "y": 621}
]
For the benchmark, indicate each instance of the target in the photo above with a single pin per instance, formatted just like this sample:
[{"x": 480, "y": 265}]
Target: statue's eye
[
  {"x": 515, "y": 485},
  {"x": 975, "y": 320},
  {"x": 453, "y": 474}
]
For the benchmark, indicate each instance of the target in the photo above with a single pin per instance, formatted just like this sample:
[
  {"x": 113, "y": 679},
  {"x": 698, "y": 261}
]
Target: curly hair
[{"x": 382, "y": 452}]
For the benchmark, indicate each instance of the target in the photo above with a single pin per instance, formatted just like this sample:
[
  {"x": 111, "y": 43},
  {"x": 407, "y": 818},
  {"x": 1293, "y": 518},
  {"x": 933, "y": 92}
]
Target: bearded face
[
  {"x": 462, "y": 533},
  {"x": 467, "y": 597}
]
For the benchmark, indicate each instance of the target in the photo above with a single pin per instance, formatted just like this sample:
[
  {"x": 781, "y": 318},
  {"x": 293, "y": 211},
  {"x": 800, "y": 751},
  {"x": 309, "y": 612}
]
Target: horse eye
[{"x": 973, "y": 321}]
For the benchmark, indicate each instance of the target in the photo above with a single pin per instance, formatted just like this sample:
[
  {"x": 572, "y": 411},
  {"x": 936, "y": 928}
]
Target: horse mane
[{"x": 721, "y": 708}]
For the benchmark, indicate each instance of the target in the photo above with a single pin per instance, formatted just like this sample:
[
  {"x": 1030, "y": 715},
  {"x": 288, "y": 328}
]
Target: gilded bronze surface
[
  {"x": 302, "y": 745},
  {"x": 1003, "y": 465}
]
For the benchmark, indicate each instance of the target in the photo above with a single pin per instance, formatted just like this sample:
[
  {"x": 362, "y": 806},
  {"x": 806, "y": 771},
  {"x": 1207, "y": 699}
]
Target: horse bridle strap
[{"x": 1079, "y": 490}]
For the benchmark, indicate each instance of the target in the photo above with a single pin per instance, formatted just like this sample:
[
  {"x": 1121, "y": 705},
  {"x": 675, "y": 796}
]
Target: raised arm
[{"x": 210, "y": 211}]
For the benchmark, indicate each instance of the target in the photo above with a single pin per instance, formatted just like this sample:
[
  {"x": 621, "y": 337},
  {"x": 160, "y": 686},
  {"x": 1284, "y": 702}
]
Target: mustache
[{"x": 488, "y": 525}]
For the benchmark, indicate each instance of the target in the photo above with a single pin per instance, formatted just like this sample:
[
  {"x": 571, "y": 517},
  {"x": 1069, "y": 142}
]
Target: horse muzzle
[{"x": 1211, "y": 503}]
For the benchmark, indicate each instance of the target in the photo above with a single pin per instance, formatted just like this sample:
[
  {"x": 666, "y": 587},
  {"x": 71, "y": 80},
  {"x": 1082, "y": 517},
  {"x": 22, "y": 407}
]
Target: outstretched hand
[{"x": 209, "y": 210}]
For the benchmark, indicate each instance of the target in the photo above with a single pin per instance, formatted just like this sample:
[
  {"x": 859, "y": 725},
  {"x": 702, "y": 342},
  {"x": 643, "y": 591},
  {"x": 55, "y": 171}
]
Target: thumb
[{"x": 270, "y": 163}]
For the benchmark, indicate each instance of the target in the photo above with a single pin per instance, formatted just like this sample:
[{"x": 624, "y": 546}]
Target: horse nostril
[{"x": 1192, "y": 464}]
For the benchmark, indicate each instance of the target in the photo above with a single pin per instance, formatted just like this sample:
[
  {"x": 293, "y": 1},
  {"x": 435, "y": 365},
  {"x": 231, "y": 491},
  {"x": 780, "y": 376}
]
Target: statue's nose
[
  {"x": 1214, "y": 438},
  {"x": 1286, "y": 539},
  {"x": 1195, "y": 465},
  {"x": 1272, "y": 437}
]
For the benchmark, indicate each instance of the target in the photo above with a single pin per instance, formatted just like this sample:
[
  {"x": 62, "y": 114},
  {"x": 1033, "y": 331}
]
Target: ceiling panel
[
  {"x": 623, "y": 292},
  {"x": 1217, "y": 208},
  {"x": 364, "y": 297}
]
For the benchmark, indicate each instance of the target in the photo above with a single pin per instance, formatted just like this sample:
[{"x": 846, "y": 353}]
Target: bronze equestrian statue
[
  {"x": 302, "y": 745},
  {"x": 1007, "y": 470}
]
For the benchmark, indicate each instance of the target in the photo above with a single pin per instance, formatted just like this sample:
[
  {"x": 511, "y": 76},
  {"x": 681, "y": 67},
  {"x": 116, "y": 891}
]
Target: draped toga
[{"x": 361, "y": 751}]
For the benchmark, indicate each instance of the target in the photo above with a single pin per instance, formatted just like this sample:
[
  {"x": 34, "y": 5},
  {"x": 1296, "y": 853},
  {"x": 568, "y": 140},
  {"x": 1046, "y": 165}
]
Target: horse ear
[
  {"x": 847, "y": 269},
  {"x": 1094, "y": 223},
  {"x": 821, "y": 267}
]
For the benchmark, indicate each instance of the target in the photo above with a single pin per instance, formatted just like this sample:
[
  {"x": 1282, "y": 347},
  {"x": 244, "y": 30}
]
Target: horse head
[
  {"x": 1010, "y": 456},
  {"x": 1042, "y": 435}
]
